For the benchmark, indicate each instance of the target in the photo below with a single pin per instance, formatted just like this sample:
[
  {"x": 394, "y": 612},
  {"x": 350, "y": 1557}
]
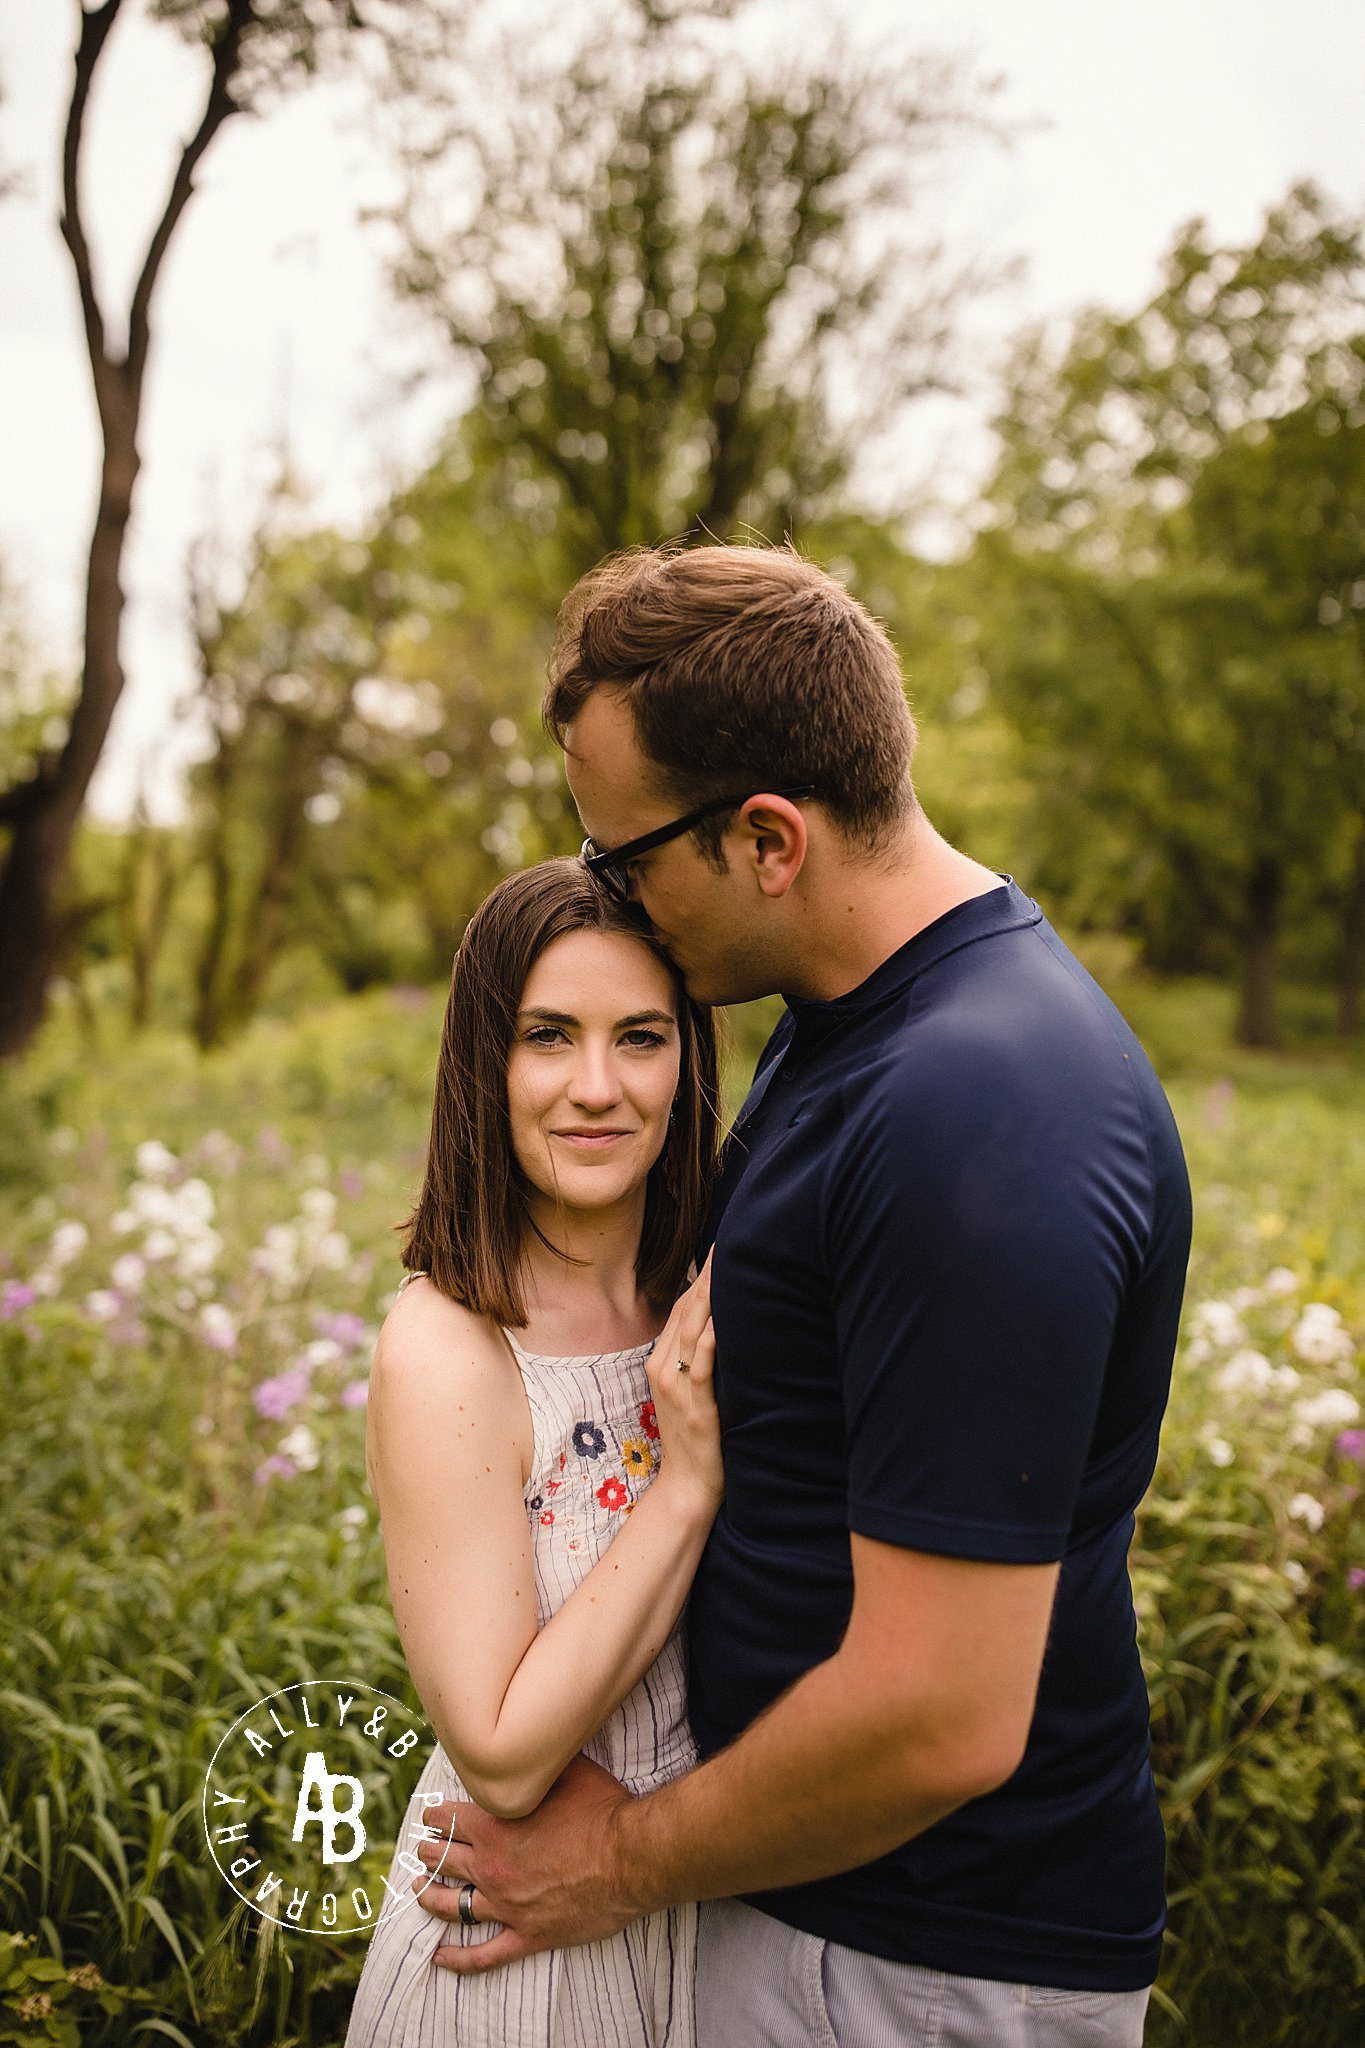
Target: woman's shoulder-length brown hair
[{"x": 468, "y": 1229}]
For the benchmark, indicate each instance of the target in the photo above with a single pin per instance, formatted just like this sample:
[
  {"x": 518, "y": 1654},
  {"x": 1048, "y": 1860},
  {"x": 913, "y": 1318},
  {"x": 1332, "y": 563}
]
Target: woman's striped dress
[{"x": 596, "y": 1449}]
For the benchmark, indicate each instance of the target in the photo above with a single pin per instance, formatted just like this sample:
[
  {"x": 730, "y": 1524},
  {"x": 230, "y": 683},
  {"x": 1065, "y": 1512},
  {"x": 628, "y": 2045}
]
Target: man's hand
[{"x": 550, "y": 1880}]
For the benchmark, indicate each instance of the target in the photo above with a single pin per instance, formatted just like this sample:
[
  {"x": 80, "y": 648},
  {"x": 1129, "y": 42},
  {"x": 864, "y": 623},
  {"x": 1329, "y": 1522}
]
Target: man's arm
[{"x": 925, "y": 1705}]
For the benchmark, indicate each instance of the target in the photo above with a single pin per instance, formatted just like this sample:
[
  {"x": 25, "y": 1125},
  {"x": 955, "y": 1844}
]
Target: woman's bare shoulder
[{"x": 426, "y": 1335}]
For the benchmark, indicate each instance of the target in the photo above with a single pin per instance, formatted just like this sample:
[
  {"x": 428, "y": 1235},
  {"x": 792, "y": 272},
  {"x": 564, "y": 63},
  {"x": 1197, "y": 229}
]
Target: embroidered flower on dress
[
  {"x": 638, "y": 1456},
  {"x": 547, "y": 1519},
  {"x": 612, "y": 1493},
  {"x": 588, "y": 1440},
  {"x": 536, "y": 1503},
  {"x": 648, "y": 1421}
]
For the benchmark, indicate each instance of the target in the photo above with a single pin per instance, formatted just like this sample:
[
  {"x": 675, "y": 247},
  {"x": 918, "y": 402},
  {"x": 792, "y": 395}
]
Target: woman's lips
[{"x": 590, "y": 1141}]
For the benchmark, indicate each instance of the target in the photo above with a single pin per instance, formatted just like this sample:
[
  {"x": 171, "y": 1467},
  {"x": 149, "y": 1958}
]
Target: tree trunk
[
  {"x": 1352, "y": 969},
  {"x": 1256, "y": 1017}
]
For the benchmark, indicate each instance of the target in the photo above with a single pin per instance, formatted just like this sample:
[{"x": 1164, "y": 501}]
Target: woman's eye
[
  {"x": 544, "y": 1034},
  {"x": 644, "y": 1037}
]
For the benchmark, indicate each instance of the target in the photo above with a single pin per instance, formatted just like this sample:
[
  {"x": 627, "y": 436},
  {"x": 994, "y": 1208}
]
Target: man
[{"x": 949, "y": 1250}]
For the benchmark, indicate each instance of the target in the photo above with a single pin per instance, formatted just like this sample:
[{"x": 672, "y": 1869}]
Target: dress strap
[{"x": 418, "y": 1273}]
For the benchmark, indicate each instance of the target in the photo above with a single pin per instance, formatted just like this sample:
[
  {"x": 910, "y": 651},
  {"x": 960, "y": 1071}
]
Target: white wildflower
[
  {"x": 1296, "y": 1575},
  {"x": 128, "y": 1272},
  {"x": 278, "y": 1254},
  {"x": 322, "y": 1351},
  {"x": 153, "y": 1206},
  {"x": 333, "y": 1250},
  {"x": 1248, "y": 1372},
  {"x": 103, "y": 1305},
  {"x": 1244, "y": 1298},
  {"x": 70, "y": 1237},
  {"x": 122, "y": 1221},
  {"x": 319, "y": 1205},
  {"x": 194, "y": 1204},
  {"x": 198, "y": 1254},
  {"x": 155, "y": 1161},
  {"x": 44, "y": 1281},
  {"x": 1307, "y": 1509},
  {"x": 1319, "y": 1336},
  {"x": 1219, "y": 1323},
  {"x": 352, "y": 1520},
  {"x": 1286, "y": 1378},
  {"x": 218, "y": 1326},
  {"x": 1281, "y": 1280},
  {"x": 64, "y": 1139},
  {"x": 1333, "y": 1408},
  {"x": 1220, "y": 1451},
  {"x": 160, "y": 1244},
  {"x": 302, "y": 1446}
]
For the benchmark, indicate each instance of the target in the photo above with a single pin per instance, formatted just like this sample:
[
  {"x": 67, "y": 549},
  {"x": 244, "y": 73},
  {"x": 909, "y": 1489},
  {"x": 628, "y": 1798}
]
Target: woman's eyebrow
[{"x": 637, "y": 1017}]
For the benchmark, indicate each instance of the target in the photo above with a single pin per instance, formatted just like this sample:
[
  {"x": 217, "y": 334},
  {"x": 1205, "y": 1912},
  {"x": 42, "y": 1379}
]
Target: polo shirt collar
[{"x": 980, "y": 917}]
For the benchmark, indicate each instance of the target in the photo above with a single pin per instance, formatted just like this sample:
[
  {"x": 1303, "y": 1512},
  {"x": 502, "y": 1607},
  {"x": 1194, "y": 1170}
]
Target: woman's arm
[{"x": 448, "y": 1432}]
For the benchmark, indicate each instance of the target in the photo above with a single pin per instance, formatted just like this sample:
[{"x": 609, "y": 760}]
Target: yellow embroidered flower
[{"x": 638, "y": 1456}]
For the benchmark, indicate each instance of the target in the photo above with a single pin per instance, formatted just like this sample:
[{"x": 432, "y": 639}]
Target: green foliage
[
  {"x": 689, "y": 289},
  {"x": 1175, "y": 615}
]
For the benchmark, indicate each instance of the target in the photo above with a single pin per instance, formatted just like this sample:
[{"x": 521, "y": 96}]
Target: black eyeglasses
[{"x": 609, "y": 866}]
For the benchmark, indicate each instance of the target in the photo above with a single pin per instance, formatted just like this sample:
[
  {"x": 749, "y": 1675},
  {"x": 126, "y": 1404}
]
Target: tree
[
  {"x": 1177, "y": 540},
  {"x": 689, "y": 288},
  {"x": 254, "y": 48}
]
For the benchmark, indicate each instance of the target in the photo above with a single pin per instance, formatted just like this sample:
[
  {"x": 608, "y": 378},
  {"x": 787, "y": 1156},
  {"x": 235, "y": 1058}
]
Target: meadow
[{"x": 195, "y": 1255}]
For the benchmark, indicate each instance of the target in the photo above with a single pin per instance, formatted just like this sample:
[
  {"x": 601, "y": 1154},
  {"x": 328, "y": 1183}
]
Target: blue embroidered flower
[
  {"x": 588, "y": 1440},
  {"x": 536, "y": 1503}
]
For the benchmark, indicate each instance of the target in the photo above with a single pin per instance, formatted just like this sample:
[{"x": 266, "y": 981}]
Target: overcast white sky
[{"x": 272, "y": 317}]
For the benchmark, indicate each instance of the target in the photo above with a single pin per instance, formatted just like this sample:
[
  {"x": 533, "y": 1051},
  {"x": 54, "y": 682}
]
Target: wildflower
[
  {"x": 302, "y": 1446},
  {"x": 36, "y": 2007},
  {"x": 69, "y": 1238},
  {"x": 122, "y": 1221},
  {"x": 1351, "y": 1444},
  {"x": 1319, "y": 1337},
  {"x": 273, "y": 1467},
  {"x": 1307, "y": 1509},
  {"x": 128, "y": 1272},
  {"x": 103, "y": 1304},
  {"x": 272, "y": 1147},
  {"x": 1355, "y": 1577},
  {"x": 352, "y": 1521},
  {"x": 345, "y": 1329},
  {"x": 17, "y": 1295},
  {"x": 1246, "y": 1372},
  {"x": 356, "y": 1394},
  {"x": 1281, "y": 1280},
  {"x": 352, "y": 1182},
  {"x": 333, "y": 1250},
  {"x": 218, "y": 1326},
  {"x": 85, "y": 1977},
  {"x": 44, "y": 1281},
  {"x": 1244, "y": 1298},
  {"x": 322, "y": 1351},
  {"x": 273, "y": 1398},
  {"x": 319, "y": 1205},
  {"x": 1220, "y": 1451},
  {"x": 277, "y": 1256},
  {"x": 1218, "y": 1323},
  {"x": 155, "y": 1161},
  {"x": 1296, "y": 1575},
  {"x": 64, "y": 1139},
  {"x": 1333, "y": 1408},
  {"x": 217, "y": 1149}
]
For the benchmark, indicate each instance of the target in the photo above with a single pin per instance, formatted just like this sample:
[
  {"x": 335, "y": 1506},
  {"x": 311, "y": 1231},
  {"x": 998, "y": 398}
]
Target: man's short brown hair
[{"x": 745, "y": 669}]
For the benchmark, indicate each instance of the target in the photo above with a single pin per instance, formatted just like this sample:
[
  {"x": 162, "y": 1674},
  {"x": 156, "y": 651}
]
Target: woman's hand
[{"x": 680, "y": 1379}]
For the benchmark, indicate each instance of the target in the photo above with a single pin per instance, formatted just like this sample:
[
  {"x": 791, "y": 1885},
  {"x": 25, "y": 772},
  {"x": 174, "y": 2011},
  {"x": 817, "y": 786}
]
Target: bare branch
[
  {"x": 218, "y": 106},
  {"x": 95, "y": 27}
]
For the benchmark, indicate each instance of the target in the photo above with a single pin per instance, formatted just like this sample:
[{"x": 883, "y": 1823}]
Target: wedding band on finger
[{"x": 468, "y": 1918}]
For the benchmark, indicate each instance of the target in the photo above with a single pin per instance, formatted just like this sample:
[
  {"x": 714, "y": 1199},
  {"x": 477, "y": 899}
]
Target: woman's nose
[{"x": 594, "y": 1084}]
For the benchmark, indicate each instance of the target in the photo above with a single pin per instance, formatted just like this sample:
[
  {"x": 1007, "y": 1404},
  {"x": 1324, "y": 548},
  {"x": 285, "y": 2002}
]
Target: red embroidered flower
[
  {"x": 612, "y": 1494},
  {"x": 648, "y": 1422},
  {"x": 547, "y": 1518}
]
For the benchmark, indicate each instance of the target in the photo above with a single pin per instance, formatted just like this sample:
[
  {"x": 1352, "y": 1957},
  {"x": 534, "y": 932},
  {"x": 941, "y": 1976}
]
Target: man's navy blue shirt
[{"x": 951, "y": 1237}]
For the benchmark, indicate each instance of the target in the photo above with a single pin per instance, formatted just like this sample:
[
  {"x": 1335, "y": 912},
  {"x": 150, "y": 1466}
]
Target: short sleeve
[{"x": 982, "y": 1226}]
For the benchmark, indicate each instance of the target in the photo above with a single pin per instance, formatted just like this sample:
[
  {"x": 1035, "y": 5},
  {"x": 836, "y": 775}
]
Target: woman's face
[{"x": 593, "y": 1069}]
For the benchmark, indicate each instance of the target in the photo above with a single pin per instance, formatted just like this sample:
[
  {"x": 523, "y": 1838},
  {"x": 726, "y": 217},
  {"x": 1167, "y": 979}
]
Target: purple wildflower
[
  {"x": 1355, "y": 1577},
  {"x": 356, "y": 1394},
  {"x": 1351, "y": 1444},
  {"x": 274, "y": 1467},
  {"x": 275, "y": 1397},
  {"x": 18, "y": 1294},
  {"x": 351, "y": 1182},
  {"x": 345, "y": 1328}
]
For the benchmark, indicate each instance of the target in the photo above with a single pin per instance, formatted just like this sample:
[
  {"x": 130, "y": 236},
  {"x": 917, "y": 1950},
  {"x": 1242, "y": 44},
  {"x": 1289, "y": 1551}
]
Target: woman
[{"x": 545, "y": 1479}]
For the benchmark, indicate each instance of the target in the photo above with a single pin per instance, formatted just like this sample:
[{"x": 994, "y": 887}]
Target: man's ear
[{"x": 775, "y": 840}]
